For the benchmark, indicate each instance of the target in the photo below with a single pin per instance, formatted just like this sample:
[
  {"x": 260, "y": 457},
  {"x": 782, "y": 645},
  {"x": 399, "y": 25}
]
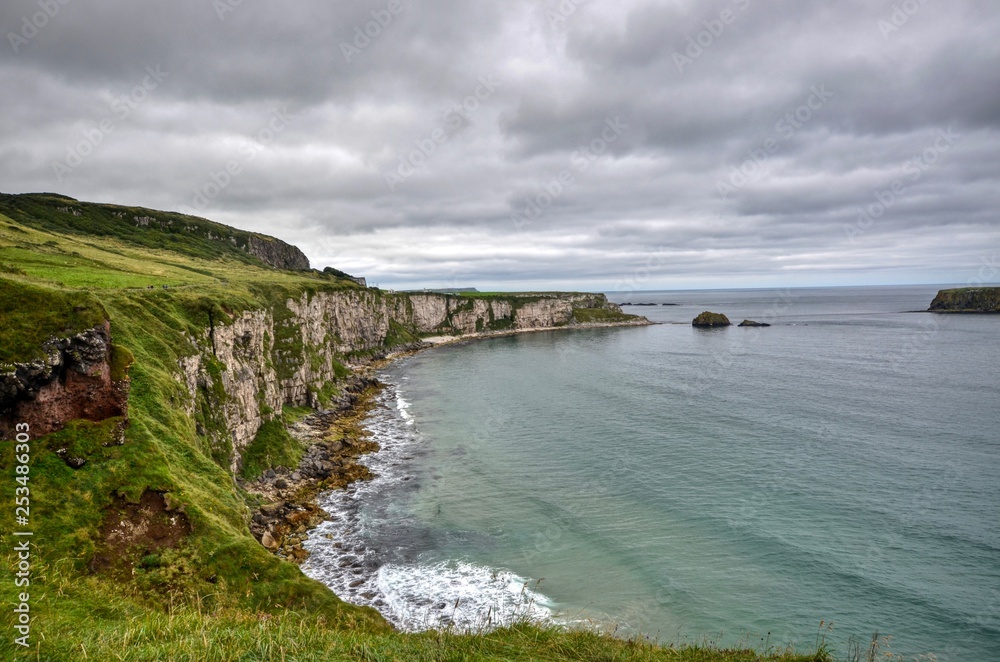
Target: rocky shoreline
[{"x": 335, "y": 439}]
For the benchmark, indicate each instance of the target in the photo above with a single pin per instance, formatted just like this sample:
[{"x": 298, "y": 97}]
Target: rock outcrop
[
  {"x": 709, "y": 319},
  {"x": 81, "y": 377},
  {"x": 753, "y": 323},
  {"x": 967, "y": 300},
  {"x": 276, "y": 253}
]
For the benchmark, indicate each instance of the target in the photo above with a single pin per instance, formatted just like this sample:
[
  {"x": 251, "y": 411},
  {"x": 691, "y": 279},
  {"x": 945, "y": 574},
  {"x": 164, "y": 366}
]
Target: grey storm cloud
[{"x": 554, "y": 143}]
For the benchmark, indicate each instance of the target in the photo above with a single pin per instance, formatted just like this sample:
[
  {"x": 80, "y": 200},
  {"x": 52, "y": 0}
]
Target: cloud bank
[{"x": 554, "y": 143}]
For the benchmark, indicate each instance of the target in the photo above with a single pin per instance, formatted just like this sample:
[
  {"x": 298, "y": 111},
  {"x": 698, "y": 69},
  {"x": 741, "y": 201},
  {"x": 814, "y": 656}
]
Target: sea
[{"x": 821, "y": 480}]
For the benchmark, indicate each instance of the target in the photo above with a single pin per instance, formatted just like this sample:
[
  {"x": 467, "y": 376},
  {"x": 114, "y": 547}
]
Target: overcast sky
[{"x": 584, "y": 144}]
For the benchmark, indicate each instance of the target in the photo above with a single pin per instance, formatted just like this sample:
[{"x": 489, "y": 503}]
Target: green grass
[
  {"x": 187, "y": 235},
  {"x": 53, "y": 312},
  {"x": 272, "y": 447},
  {"x": 511, "y": 295},
  {"x": 86, "y": 619},
  {"x": 591, "y": 315}
]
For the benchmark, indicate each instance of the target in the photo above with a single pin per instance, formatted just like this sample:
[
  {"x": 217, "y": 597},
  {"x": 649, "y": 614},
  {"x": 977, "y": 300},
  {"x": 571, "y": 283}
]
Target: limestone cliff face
[{"x": 241, "y": 373}]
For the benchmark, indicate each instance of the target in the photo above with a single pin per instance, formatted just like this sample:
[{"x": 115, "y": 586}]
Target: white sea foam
[
  {"x": 367, "y": 555},
  {"x": 403, "y": 407},
  {"x": 457, "y": 594}
]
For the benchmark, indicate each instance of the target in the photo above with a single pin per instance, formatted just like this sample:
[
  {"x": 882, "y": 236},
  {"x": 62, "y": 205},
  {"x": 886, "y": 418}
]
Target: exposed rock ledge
[
  {"x": 82, "y": 377},
  {"x": 972, "y": 300}
]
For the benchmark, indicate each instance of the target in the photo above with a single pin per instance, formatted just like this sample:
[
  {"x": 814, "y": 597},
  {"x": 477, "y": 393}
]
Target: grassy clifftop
[
  {"x": 203, "y": 588},
  {"x": 56, "y": 284},
  {"x": 190, "y": 236}
]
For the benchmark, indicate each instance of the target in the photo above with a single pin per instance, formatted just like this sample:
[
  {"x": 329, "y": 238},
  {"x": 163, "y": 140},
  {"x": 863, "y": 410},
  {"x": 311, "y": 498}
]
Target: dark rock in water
[
  {"x": 970, "y": 300},
  {"x": 709, "y": 320},
  {"x": 753, "y": 323}
]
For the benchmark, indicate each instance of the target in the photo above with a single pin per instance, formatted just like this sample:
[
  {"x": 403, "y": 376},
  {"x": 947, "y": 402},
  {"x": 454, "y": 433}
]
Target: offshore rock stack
[{"x": 708, "y": 320}]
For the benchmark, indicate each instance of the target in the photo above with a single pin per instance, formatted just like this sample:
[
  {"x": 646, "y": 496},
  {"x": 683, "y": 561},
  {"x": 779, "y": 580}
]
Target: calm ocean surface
[{"x": 736, "y": 484}]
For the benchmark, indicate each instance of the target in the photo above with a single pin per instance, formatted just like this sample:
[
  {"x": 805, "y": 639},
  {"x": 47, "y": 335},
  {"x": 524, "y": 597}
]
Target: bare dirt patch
[{"x": 132, "y": 531}]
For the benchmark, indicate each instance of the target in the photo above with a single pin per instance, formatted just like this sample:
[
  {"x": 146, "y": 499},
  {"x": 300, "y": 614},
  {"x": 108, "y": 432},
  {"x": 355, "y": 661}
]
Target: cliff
[
  {"x": 157, "y": 363},
  {"x": 293, "y": 353},
  {"x": 967, "y": 300},
  {"x": 275, "y": 253}
]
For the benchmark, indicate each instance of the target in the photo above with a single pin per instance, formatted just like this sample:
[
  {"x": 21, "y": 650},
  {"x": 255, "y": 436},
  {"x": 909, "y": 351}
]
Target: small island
[
  {"x": 753, "y": 323},
  {"x": 709, "y": 320},
  {"x": 968, "y": 300}
]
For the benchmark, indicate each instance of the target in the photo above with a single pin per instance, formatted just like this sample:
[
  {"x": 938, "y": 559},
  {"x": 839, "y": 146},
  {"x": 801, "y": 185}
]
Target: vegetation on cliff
[
  {"x": 104, "y": 587},
  {"x": 188, "y": 235},
  {"x": 967, "y": 300}
]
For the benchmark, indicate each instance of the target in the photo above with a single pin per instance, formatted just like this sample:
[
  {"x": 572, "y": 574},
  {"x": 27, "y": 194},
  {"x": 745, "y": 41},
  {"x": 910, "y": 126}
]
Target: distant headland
[{"x": 968, "y": 300}]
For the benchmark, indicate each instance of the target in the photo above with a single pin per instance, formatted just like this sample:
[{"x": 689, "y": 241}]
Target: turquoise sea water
[{"x": 740, "y": 484}]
